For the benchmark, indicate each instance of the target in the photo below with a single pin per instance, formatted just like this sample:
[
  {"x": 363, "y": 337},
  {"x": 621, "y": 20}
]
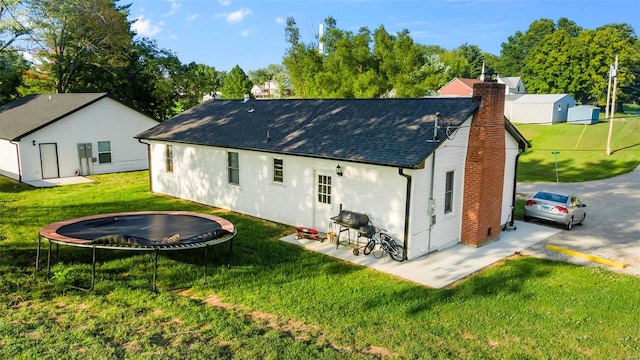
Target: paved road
[{"x": 612, "y": 228}]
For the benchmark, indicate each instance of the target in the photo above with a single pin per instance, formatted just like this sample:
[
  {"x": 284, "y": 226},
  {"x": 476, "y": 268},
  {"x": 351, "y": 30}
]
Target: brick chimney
[{"x": 484, "y": 168}]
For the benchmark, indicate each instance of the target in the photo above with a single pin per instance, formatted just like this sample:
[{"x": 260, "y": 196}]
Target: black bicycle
[{"x": 382, "y": 242}]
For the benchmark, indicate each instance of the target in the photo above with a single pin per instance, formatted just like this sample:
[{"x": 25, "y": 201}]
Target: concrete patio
[{"x": 441, "y": 268}]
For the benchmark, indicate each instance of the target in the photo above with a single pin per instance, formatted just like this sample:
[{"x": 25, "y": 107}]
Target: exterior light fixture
[
  {"x": 33, "y": 142},
  {"x": 338, "y": 170}
]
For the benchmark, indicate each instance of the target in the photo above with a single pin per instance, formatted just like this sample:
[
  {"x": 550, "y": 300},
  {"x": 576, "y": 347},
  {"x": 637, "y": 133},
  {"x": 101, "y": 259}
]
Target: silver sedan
[{"x": 559, "y": 208}]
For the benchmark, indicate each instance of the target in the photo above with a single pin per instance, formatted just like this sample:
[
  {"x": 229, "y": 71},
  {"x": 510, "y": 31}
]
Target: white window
[
  {"x": 324, "y": 189},
  {"x": 448, "y": 193},
  {"x": 233, "y": 166},
  {"x": 104, "y": 152},
  {"x": 168, "y": 156},
  {"x": 278, "y": 170}
]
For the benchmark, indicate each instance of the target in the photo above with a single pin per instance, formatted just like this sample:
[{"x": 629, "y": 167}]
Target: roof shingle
[{"x": 390, "y": 132}]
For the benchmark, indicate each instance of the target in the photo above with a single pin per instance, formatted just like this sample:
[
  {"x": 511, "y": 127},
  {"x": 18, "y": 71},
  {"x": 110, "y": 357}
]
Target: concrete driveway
[{"x": 612, "y": 228}]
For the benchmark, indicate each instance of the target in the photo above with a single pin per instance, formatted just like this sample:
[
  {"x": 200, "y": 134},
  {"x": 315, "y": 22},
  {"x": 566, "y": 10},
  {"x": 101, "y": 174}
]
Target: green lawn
[
  {"x": 582, "y": 150},
  {"x": 279, "y": 301}
]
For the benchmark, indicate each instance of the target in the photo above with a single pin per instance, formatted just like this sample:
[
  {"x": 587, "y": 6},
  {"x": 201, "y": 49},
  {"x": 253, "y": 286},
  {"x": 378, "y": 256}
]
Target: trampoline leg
[
  {"x": 38, "y": 254},
  {"x": 93, "y": 273},
  {"x": 230, "y": 253},
  {"x": 49, "y": 263},
  {"x": 206, "y": 249},
  {"x": 155, "y": 269}
]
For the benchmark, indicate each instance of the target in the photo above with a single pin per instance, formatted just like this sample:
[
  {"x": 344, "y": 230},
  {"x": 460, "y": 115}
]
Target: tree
[
  {"x": 236, "y": 84},
  {"x": 519, "y": 45},
  {"x": 302, "y": 62},
  {"x": 12, "y": 66},
  {"x": 11, "y": 26},
  {"x": 82, "y": 37}
]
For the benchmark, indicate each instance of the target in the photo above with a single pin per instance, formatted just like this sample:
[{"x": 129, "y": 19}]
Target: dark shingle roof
[
  {"x": 26, "y": 115},
  {"x": 392, "y": 132}
]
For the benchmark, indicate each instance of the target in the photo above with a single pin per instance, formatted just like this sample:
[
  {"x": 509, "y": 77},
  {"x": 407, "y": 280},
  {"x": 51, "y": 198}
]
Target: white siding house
[
  {"x": 538, "y": 108},
  {"x": 63, "y": 135},
  {"x": 279, "y": 160}
]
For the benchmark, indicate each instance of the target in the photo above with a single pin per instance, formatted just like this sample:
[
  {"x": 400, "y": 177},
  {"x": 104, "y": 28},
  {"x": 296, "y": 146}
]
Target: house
[
  {"x": 432, "y": 171},
  {"x": 513, "y": 85},
  {"x": 270, "y": 90},
  {"x": 583, "y": 114},
  {"x": 458, "y": 87},
  {"x": 538, "y": 108},
  {"x": 62, "y": 135}
]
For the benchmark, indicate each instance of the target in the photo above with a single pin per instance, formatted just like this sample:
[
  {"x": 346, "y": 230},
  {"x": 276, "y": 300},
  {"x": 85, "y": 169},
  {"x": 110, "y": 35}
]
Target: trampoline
[{"x": 140, "y": 231}]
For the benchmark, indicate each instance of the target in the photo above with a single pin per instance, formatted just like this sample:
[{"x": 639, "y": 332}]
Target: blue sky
[{"x": 250, "y": 33}]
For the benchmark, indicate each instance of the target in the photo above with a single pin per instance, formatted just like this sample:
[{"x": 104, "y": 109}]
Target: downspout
[
  {"x": 432, "y": 202},
  {"x": 515, "y": 183},
  {"x": 149, "y": 160},
  {"x": 407, "y": 212},
  {"x": 18, "y": 156}
]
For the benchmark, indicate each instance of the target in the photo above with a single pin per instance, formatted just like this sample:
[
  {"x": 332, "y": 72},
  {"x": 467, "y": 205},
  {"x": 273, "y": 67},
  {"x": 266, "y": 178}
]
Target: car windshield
[{"x": 552, "y": 197}]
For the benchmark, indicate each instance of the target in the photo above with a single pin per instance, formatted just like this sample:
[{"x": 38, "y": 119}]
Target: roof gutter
[
  {"x": 407, "y": 212},
  {"x": 18, "y": 158}
]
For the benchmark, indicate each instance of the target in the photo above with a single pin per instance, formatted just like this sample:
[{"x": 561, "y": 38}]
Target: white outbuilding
[{"x": 64, "y": 135}]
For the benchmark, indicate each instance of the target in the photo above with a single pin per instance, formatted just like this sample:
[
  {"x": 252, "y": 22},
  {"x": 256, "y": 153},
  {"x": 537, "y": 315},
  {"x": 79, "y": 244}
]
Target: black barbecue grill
[{"x": 347, "y": 220}]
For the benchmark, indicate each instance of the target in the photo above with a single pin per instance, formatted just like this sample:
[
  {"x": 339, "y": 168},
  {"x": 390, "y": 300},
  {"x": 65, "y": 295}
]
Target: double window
[
  {"x": 104, "y": 152},
  {"x": 233, "y": 168}
]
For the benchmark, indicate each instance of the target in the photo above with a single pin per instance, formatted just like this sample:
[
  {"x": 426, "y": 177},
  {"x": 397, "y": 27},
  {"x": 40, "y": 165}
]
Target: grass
[
  {"x": 582, "y": 150},
  {"x": 279, "y": 301}
]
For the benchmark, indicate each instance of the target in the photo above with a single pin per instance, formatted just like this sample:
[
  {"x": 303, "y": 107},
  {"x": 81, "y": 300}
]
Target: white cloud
[
  {"x": 144, "y": 27},
  {"x": 247, "y": 32},
  {"x": 190, "y": 18},
  {"x": 279, "y": 20},
  {"x": 175, "y": 5},
  {"x": 237, "y": 16},
  {"x": 225, "y": 2}
]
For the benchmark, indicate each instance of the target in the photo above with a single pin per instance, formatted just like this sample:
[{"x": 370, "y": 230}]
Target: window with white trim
[
  {"x": 168, "y": 157},
  {"x": 324, "y": 189},
  {"x": 104, "y": 152},
  {"x": 233, "y": 167},
  {"x": 278, "y": 170},
  {"x": 448, "y": 193}
]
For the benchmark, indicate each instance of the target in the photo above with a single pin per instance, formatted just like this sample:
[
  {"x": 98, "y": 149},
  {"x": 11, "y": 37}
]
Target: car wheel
[
  {"x": 526, "y": 218},
  {"x": 583, "y": 219},
  {"x": 569, "y": 225}
]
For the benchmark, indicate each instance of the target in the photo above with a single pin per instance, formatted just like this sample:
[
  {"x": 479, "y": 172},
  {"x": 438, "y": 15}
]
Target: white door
[
  {"x": 49, "y": 161},
  {"x": 324, "y": 200}
]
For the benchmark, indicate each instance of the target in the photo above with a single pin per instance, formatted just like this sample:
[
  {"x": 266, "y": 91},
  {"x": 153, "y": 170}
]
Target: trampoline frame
[{"x": 50, "y": 234}]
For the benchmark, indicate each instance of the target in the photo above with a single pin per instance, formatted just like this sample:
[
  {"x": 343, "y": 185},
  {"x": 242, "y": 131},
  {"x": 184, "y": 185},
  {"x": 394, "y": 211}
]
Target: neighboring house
[
  {"x": 62, "y": 135},
  {"x": 584, "y": 114},
  {"x": 432, "y": 171},
  {"x": 538, "y": 108},
  {"x": 458, "y": 87},
  {"x": 513, "y": 85},
  {"x": 270, "y": 90}
]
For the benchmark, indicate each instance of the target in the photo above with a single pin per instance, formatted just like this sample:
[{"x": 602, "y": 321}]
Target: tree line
[
  {"x": 550, "y": 57},
  {"x": 89, "y": 46}
]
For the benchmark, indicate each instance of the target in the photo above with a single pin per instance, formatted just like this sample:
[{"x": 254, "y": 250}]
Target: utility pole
[
  {"x": 606, "y": 108},
  {"x": 613, "y": 105}
]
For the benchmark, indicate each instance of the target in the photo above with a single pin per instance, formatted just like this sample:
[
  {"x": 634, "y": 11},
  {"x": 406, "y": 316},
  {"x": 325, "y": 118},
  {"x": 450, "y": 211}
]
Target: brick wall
[{"x": 484, "y": 168}]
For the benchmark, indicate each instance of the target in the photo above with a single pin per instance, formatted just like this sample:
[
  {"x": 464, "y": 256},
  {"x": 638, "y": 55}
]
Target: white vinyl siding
[{"x": 104, "y": 119}]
